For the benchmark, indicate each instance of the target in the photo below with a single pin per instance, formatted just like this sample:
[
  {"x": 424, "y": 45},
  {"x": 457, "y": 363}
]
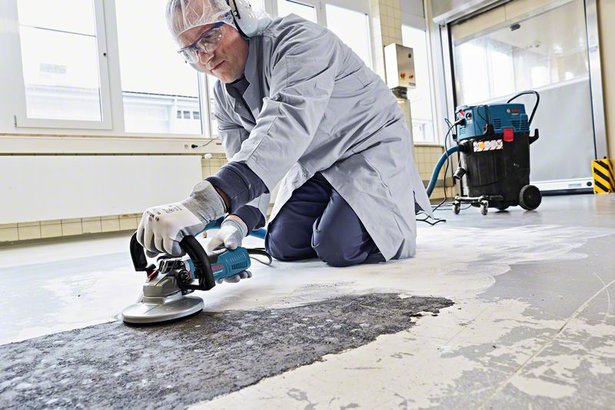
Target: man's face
[{"x": 227, "y": 61}]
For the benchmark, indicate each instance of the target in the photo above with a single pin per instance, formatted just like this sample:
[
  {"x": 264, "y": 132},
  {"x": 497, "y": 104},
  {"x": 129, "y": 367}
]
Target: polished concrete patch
[{"x": 207, "y": 355}]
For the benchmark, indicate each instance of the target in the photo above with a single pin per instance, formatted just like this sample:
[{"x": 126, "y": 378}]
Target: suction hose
[{"x": 438, "y": 167}]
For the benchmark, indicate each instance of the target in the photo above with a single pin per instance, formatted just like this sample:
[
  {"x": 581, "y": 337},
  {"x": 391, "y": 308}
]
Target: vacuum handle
[
  {"x": 534, "y": 137},
  {"x": 528, "y": 92},
  {"x": 202, "y": 267}
]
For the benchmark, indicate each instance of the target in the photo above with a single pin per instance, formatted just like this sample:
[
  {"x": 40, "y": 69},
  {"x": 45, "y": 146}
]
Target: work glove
[
  {"x": 229, "y": 236},
  {"x": 163, "y": 227},
  {"x": 246, "y": 274}
]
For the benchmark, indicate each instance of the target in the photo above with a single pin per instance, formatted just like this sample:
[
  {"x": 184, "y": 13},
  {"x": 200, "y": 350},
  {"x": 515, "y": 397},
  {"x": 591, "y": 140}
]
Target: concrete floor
[{"x": 532, "y": 324}]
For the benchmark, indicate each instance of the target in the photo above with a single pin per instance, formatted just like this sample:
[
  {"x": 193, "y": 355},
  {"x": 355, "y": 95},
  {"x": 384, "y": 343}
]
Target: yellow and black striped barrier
[{"x": 604, "y": 181}]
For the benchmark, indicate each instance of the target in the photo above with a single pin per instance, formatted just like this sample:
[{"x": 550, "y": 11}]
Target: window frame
[
  {"x": 318, "y": 6},
  {"x": 112, "y": 123},
  {"x": 106, "y": 123},
  {"x": 361, "y": 6},
  {"x": 117, "y": 89}
]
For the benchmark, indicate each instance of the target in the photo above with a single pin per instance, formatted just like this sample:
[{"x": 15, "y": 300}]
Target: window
[
  {"x": 286, "y": 7},
  {"x": 156, "y": 82},
  {"x": 521, "y": 55},
  {"x": 64, "y": 78},
  {"x": 352, "y": 27},
  {"x": 420, "y": 97},
  {"x": 258, "y": 4},
  {"x": 60, "y": 61}
]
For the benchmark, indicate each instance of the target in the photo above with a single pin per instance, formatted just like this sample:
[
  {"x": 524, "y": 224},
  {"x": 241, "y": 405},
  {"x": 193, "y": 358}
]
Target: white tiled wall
[
  {"x": 386, "y": 23},
  {"x": 67, "y": 227},
  {"x": 211, "y": 165},
  {"x": 80, "y": 226},
  {"x": 426, "y": 158}
]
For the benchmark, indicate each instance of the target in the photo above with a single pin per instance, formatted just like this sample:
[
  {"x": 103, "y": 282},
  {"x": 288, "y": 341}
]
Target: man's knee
[
  {"x": 280, "y": 245},
  {"x": 335, "y": 250}
]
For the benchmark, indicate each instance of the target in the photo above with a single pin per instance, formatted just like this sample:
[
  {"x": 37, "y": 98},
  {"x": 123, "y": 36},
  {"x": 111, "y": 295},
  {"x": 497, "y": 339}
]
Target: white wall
[
  {"x": 39, "y": 188},
  {"x": 606, "y": 17},
  {"x": 413, "y": 14}
]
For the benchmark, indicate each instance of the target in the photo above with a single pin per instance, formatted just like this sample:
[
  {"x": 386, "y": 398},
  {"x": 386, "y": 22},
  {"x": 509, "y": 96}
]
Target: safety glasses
[{"x": 206, "y": 43}]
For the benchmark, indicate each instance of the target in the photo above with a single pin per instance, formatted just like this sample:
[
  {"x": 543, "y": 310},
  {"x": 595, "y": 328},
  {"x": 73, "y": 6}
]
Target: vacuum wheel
[
  {"x": 456, "y": 207},
  {"x": 484, "y": 207},
  {"x": 530, "y": 197}
]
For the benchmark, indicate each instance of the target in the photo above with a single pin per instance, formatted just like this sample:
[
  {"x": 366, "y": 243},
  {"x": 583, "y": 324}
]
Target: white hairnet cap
[{"x": 182, "y": 15}]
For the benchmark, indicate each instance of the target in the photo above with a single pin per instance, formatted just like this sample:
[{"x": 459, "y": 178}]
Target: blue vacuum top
[{"x": 500, "y": 116}]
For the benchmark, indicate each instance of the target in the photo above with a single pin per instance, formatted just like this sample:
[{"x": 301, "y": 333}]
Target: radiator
[{"x": 38, "y": 188}]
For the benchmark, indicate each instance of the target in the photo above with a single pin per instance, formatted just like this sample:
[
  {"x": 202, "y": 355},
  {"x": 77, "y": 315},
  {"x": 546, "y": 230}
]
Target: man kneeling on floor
[{"x": 295, "y": 106}]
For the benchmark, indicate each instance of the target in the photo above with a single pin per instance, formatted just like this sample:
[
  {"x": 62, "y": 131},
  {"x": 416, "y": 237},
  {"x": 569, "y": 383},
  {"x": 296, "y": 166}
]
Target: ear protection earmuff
[{"x": 245, "y": 18}]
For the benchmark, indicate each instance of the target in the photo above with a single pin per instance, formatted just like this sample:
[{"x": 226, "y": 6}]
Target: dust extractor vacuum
[{"x": 494, "y": 161}]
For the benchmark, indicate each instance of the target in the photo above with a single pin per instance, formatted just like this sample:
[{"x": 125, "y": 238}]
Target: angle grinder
[{"x": 172, "y": 279}]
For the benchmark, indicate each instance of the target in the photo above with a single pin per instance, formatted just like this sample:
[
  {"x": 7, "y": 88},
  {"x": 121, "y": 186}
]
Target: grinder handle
[
  {"x": 191, "y": 246},
  {"x": 202, "y": 267},
  {"x": 137, "y": 254}
]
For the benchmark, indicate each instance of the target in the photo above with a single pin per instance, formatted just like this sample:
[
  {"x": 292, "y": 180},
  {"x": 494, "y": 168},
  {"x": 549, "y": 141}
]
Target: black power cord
[{"x": 194, "y": 146}]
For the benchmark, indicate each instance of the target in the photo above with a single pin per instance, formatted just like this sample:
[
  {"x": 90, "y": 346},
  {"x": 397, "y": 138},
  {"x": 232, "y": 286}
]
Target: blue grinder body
[
  {"x": 229, "y": 263},
  {"x": 225, "y": 264}
]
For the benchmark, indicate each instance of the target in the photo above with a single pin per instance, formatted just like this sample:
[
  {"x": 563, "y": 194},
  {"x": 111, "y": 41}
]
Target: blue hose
[
  {"x": 436, "y": 170},
  {"x": 259, "y": 233}
]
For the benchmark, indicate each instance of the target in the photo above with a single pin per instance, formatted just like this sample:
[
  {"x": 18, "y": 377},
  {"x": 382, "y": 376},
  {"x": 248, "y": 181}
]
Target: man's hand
[
  {"x": 163, "y": 227},
  {"x": 231, "y": 233},
  {"x": 229, "y": 236},
  {"x": 246, "y": 274}
]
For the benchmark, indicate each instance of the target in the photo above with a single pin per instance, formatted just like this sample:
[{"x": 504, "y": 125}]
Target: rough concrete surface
[{"x": 176, "y": 364}]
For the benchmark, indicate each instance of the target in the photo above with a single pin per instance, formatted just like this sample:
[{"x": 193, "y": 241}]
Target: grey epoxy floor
[{"x": 533, "y": 324}]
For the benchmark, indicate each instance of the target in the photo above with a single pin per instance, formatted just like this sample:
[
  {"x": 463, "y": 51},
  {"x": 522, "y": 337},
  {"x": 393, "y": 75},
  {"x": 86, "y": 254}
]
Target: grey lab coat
[{"x": 313, "y": 105}]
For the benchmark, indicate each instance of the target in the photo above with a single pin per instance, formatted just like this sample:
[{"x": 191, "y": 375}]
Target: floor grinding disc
[{"x": 143, "y": 313}]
